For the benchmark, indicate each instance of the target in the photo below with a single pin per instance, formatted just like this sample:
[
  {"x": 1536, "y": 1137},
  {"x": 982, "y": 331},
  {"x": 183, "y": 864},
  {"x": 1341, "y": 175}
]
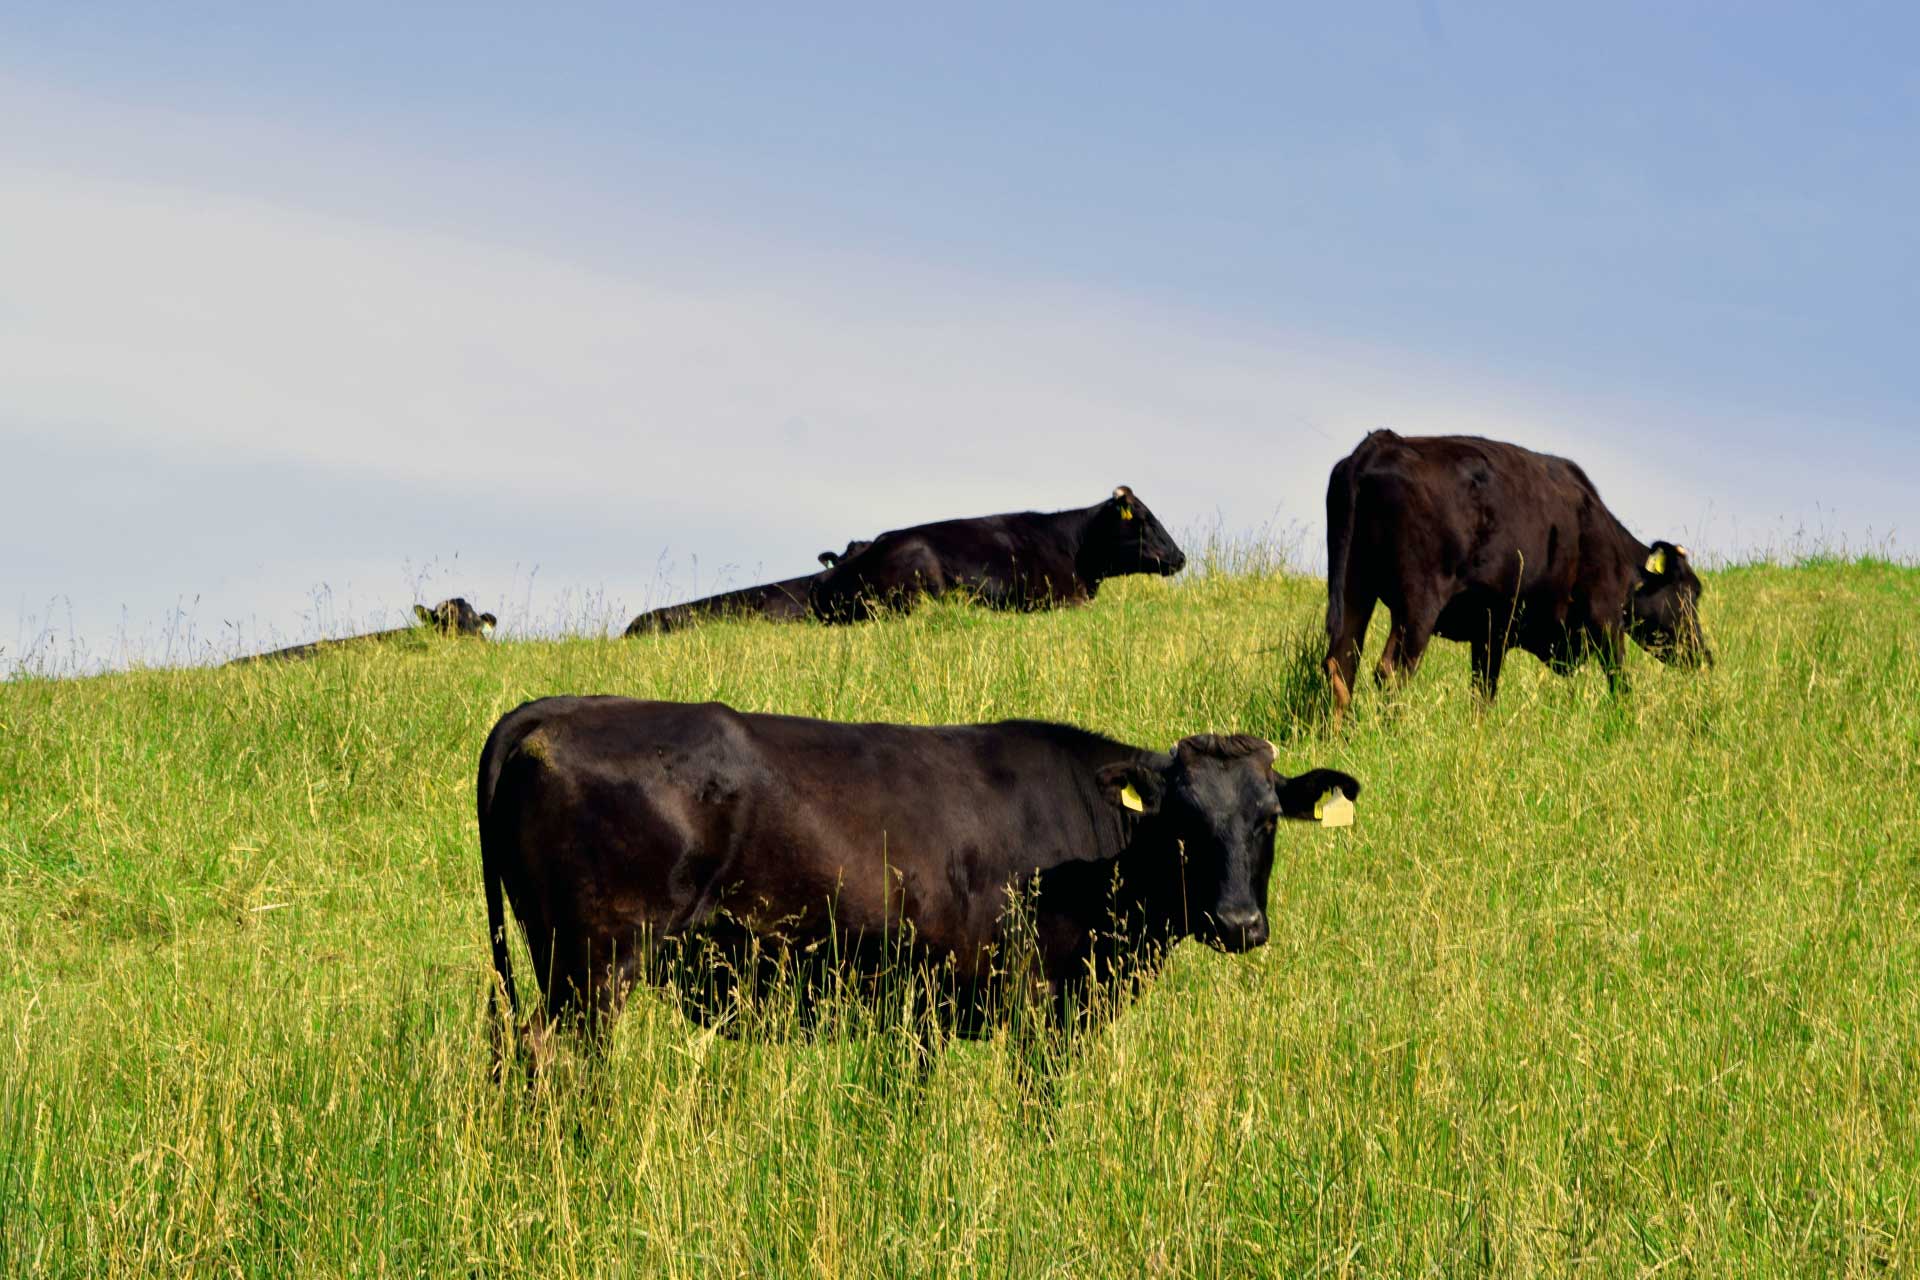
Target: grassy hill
[{"x": 1629, "y": 983}]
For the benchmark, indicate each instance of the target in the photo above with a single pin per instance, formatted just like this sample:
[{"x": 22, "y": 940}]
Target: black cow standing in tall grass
[
  {"x": 783, "y": 601},
  {"x": 613, "y": 826},
  {"x": 1499, "y": 546},
  {"x": 453, "y": 617},
  {"x": 1022, "y": 560}
]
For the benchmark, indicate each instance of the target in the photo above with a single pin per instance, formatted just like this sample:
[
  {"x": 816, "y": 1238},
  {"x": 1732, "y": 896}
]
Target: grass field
[{"x": 1628, "y": 986}]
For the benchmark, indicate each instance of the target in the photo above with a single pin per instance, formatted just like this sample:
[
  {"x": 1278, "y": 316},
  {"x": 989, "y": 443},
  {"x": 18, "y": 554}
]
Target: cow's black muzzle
[{"x": 1238, "y": 930}]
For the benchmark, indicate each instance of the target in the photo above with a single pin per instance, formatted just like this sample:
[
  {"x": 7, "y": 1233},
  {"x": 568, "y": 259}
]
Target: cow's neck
[
  {"x": 1629, "y": 546},
  {"x": 1153, "y": 885},
  {"x": 1136, "y": 891},
  {"x": 1073, "y": 526}
]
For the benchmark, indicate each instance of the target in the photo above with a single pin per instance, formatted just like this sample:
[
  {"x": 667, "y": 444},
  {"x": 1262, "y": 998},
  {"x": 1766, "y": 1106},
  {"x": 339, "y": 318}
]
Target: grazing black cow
[
  {"x": 612, "y": 824},
  {"x": 1024, "y": 560},
  {"x": 783, "y": 601},
  {"x": 453, "y": 617},
  {"x": 1501, "y": 547}
]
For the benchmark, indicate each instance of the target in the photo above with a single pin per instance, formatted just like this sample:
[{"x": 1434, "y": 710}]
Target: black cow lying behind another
[
  {"x": 614, "y": 825},
  {"x": 453, "y": 617},
  {"x": 1501, "y": 547},
  {"x": 1023, "y": 560},
  {"x": 783, "y": 601}
]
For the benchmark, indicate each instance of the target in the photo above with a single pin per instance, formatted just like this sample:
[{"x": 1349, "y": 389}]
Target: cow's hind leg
[
  {"x": 1407, "y": 643},
  {"x": 1346, "y": 637},
  {"x": 612, "y": 964},
  {"x": 533, "y": 1039},
  {"x": 1385, "y": 669},
  {"x": 583, "y": 994}
]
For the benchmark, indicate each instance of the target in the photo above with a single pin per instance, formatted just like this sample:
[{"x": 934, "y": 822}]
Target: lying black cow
[
  {"x": 783, "y": 601},
  {"x": 1498, "y": 546},
  {"x": 1024, "y": 560},
  {"x": 613, "y": 824},
  {"x": 453, "y": 617}
]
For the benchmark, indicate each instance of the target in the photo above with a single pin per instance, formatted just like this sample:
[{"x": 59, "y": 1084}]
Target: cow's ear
[
  {"x": 1123, "y": 501},
  {"x": 425, "y": 615},
  {"x": 1664, "y": 561},
  {"x": 829, "y": 558},
  {"x": 487, "y": 623},
  {"x": 1132, "y": 786},
  {"x": 1308, "y": 796}
]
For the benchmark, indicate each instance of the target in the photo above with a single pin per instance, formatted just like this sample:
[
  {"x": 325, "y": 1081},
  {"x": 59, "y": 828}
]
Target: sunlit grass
[{"x": 1593, "y": 982}]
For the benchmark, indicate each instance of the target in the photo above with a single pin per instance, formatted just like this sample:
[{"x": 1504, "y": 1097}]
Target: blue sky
[{"x": 306, "y": 315}]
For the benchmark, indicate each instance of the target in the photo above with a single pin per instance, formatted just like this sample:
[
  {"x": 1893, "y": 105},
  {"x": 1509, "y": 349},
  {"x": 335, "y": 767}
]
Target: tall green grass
[{"x": 1622, "y": 985}]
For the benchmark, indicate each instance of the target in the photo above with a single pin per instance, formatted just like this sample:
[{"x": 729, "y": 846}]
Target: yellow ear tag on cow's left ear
[
  {"x": 1126, "y": 513},
  {"x": 1657, "y": 562},
  {"x": 1333, "y": 809},
  {"x": 1129, "y": 798}
]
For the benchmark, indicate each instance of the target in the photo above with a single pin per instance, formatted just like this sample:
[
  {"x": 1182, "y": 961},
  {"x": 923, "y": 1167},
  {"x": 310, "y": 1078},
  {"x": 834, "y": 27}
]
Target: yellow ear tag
[
  {"x": 1333, "y": 809},
  {"x": 1131, "y": 799},
  {"x": 1126, "y": 513},
  {"x": 1657, "y": 562}
]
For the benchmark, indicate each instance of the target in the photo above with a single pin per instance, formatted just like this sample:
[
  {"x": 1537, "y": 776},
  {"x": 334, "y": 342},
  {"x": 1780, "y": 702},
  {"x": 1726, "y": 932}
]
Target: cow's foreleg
[
  {"x": 1610, "y": 646},
  {"x": 1488, "y": 654}
]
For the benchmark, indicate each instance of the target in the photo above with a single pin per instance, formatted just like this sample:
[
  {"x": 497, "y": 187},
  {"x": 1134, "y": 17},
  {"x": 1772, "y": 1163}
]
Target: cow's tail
[
  {"x": 1340, "y": 504},
  {"x": 493, "y": 758}
]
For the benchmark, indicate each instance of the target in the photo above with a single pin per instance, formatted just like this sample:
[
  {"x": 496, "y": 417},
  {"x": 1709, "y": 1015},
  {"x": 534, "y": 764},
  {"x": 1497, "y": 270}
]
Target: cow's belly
[
  {"x": 854, "y": 901},
  {"x": 1478, "y": 614},
  {"x": 1471, "y": 616}
]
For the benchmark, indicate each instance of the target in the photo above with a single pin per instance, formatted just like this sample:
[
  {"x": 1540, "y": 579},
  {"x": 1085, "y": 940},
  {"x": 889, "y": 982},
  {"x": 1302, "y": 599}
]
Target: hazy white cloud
[
  {"x": 441, "y": 395},
  {"x": 211, "y": 324}
]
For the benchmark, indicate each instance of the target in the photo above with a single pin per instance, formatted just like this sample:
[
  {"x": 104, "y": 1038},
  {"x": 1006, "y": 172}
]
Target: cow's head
[
  {"x": 1214, "y": 803},
  {"x": 1125, "y": 537},
  {"x": 854, "y": 548},
  {"x": 455, "y": 617},
  {"x": 1664, "y": 615}
]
